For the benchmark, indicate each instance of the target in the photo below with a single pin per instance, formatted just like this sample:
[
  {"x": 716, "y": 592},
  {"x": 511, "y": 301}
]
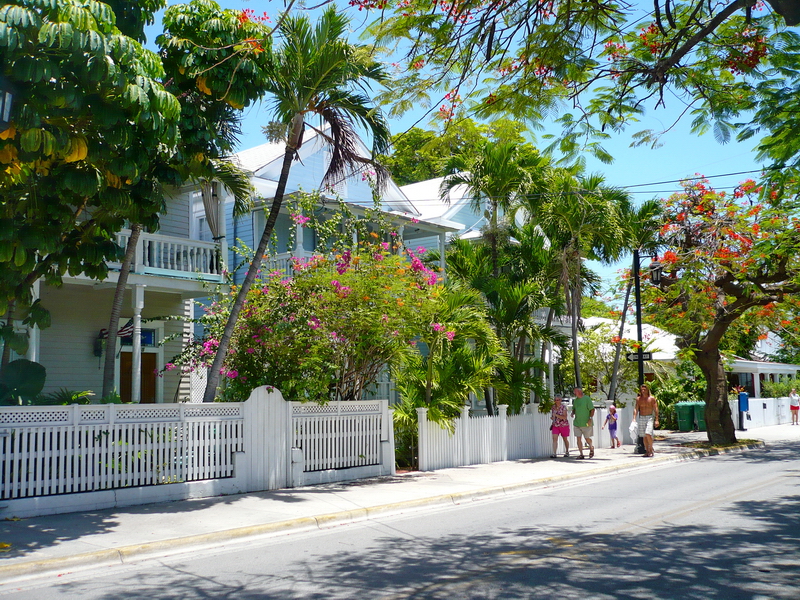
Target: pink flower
[
  {"x": 420, "y": 249},
  {"x": 378, "y": 257},
  {"x": 450, "y": 335},
  {"x": 385, "y": 245},
  {"x": 170, "y": 366},
  {"x": 251, "y": 350},
  {"x": 437, "y": 327}
]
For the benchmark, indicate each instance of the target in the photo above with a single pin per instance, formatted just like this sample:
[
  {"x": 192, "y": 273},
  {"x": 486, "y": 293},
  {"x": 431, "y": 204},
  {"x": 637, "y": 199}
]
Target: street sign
[{"x": 634, "y": 356}]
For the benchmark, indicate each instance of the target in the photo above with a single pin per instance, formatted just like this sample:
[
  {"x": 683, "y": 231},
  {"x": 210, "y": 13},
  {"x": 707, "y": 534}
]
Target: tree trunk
[
  {"x": 719, "y": 422},
  {"x": 487, "y": 399},
  {"x": 612, "y": 388},
  {"x": 109, "y": 366},
  {"x": 576, "y": 315},
  {"x": 219, "y": 358}
]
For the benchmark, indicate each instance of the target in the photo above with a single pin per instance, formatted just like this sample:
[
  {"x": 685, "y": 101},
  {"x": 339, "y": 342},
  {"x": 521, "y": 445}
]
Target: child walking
[{"x": 611, "y": 420}]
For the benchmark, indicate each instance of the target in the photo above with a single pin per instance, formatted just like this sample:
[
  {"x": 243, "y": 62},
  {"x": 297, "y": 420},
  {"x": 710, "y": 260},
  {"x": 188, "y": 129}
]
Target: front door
[{"x": 149, "y": 366}]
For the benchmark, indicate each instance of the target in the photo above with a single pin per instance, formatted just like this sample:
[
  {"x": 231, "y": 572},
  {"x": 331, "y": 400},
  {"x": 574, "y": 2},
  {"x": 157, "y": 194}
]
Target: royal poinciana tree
[
  {"x": 729, "y": 261},
  {"x": 595, "y": 66}
]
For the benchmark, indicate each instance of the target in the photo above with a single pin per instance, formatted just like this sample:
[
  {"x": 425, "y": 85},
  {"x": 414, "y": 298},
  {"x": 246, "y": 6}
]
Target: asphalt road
[{"x": 722, "y": 527}]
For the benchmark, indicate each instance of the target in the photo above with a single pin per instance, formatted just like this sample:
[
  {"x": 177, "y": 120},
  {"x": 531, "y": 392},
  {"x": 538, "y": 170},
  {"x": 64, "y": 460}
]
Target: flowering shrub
[{"x": 328, "y": 331}]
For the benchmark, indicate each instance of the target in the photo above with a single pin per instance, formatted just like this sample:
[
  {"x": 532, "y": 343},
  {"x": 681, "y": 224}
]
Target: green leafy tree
[
  {"x": 90, "y": 120},
  {"x": 420, "y": 154},
  {"x": 212, "y": 61},
  {"x": 728, "y": 260},
  {"x": 312, "y": 75},
  {"x": 596, "y": 67}
]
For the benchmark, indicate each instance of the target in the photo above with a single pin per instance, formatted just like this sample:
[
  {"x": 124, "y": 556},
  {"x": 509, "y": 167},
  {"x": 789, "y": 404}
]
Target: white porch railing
[
  {"x": 283, "y": 261},
  {"x": 47, "y": 450},
  {"x": 176, "y": 257}
]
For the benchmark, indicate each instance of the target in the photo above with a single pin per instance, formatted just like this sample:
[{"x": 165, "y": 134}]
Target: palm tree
[
  {"x": 313, "y": 75},
  {"x": 583, "y": 218},
  {"x": 498, "y": 175}
]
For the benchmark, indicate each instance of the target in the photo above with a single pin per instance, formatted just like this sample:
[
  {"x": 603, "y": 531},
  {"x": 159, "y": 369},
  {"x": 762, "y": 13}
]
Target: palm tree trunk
[
  {"x": 255, "y": 265},
  {"x": 109, "y": 366},
  {"x": 612, "y": 388},
  {"x": 576, "y": 315}
]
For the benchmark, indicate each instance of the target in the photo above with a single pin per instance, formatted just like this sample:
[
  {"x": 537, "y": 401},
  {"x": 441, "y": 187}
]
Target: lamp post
[
  {"x": 655, "y": 279},
  {"x": 6, "y": 102}
]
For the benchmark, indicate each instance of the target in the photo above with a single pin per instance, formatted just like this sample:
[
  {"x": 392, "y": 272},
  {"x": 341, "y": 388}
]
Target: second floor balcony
[{"x": 169, "y": 256}]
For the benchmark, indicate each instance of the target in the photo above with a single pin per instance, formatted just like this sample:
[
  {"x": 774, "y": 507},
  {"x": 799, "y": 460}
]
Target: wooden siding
[{"x": 78, "y": 314}]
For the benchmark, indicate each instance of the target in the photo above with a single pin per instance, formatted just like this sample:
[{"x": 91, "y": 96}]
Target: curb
[{"x": 125, "y": 554}]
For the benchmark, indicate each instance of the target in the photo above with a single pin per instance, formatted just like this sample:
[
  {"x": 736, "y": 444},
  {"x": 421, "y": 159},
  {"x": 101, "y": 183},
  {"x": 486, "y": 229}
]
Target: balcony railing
[{"x": 174, "y": 257}]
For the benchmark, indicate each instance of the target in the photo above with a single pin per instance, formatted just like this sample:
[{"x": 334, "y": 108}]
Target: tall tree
[
  {"x": 728, "y": 260},
  {"x": 643, "y": 224},
  {"x": 90, "y": 120},
  {"x": 212, "y": 64},
  {"x": 595, "y": 66},
  {"x": 313, "y": 74},
  {"x": 584, "y": 218},
  {"x": 497, "y": 175}
]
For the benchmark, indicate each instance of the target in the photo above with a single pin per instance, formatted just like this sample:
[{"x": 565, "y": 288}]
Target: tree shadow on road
[{"x": 643, "y": 560}]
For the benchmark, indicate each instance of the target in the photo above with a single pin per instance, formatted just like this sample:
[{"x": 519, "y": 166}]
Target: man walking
[
  {"x": 582, "y": 412},
  {"x": 646, "y": 414}
]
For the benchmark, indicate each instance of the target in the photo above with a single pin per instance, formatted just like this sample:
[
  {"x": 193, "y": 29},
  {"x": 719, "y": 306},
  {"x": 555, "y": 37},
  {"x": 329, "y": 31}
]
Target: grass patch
[{"x": 710, "y": 446}]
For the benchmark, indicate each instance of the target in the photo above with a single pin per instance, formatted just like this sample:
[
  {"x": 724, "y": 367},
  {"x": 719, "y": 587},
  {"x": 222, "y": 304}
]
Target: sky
[{"x": 646, "y": 173}]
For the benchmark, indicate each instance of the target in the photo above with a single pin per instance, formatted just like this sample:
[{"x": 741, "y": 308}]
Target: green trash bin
[
  {"x": 685, "y": 414},
  {"x": 700, "y": 415}
]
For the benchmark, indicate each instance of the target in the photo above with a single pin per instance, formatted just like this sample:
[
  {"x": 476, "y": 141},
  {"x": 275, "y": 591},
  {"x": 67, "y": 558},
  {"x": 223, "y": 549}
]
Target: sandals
[
  {"x": 591, "y": 453},
  {"x": 566, "y": 454},
  {"x": 552, "y": 456},
  {"x": 581, "y": 457}
]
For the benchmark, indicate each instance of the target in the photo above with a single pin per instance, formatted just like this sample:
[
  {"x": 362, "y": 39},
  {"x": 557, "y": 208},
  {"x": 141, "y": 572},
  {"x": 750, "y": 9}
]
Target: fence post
[
  {"x": 502, "y": 430},
  {"x": 387, "y": 443},
  {"x": 462, "y": 431},
  {"x": 422, "y": 439}
]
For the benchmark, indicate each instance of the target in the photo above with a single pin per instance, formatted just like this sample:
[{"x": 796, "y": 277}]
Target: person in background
[
  {"x": 582, "y": 413},
  {"x": 794, "y": 405},
  {"x": 646, "y": 414},
  {"x": 559, "y": 425},
  {"x": 611, "y": 420}
]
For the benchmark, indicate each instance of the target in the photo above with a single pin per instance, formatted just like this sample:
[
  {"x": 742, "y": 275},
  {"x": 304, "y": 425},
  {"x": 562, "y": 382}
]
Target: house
[
  {"x": 264, "y": 164},
  {"x": 171, "y": 267}
]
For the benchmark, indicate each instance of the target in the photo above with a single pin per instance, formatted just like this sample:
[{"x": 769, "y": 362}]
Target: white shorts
[{"x": 645, "y": 423}]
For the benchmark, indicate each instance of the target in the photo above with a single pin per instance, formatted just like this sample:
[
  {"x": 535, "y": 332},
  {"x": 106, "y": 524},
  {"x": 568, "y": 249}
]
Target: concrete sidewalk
[{"x": 65, "y": 542}]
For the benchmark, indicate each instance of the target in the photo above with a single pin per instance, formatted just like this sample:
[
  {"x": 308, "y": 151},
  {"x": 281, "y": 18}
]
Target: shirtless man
[{"x": 646, "y": 414}]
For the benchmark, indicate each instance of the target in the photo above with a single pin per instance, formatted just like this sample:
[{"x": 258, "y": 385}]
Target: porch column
[
  {"x": 442, "y": 262},
  {"x": 33, "y": 331},
  {"x": 221, "y": 227},
  {"x": 298, "y": 238},
  {"x": 136, "y": 351},
  {"x": 550, "y": 384},
  {"x": 757, "y": 385}
]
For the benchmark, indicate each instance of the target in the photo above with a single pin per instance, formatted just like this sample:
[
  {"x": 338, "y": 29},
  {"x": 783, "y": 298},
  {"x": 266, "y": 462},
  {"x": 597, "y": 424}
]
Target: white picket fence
[
  {"x": 482, "y": 439},
  {"x": 49, "y": 450},
  {"x": 56, "y": 459}
]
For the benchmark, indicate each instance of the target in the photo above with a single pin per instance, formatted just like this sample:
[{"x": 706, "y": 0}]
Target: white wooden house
[{"x": 171, "y": 267}]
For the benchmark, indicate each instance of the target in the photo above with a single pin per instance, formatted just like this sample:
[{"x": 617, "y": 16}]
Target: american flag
[{"x": 126, "y": 330}]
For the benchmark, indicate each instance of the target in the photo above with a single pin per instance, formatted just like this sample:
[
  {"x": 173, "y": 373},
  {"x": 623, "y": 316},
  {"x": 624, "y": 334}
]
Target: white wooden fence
[
  {"x": 481, "y": 440},
  {"x": 49, "y": 450},
  {"x": 56, "y": 459}
]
